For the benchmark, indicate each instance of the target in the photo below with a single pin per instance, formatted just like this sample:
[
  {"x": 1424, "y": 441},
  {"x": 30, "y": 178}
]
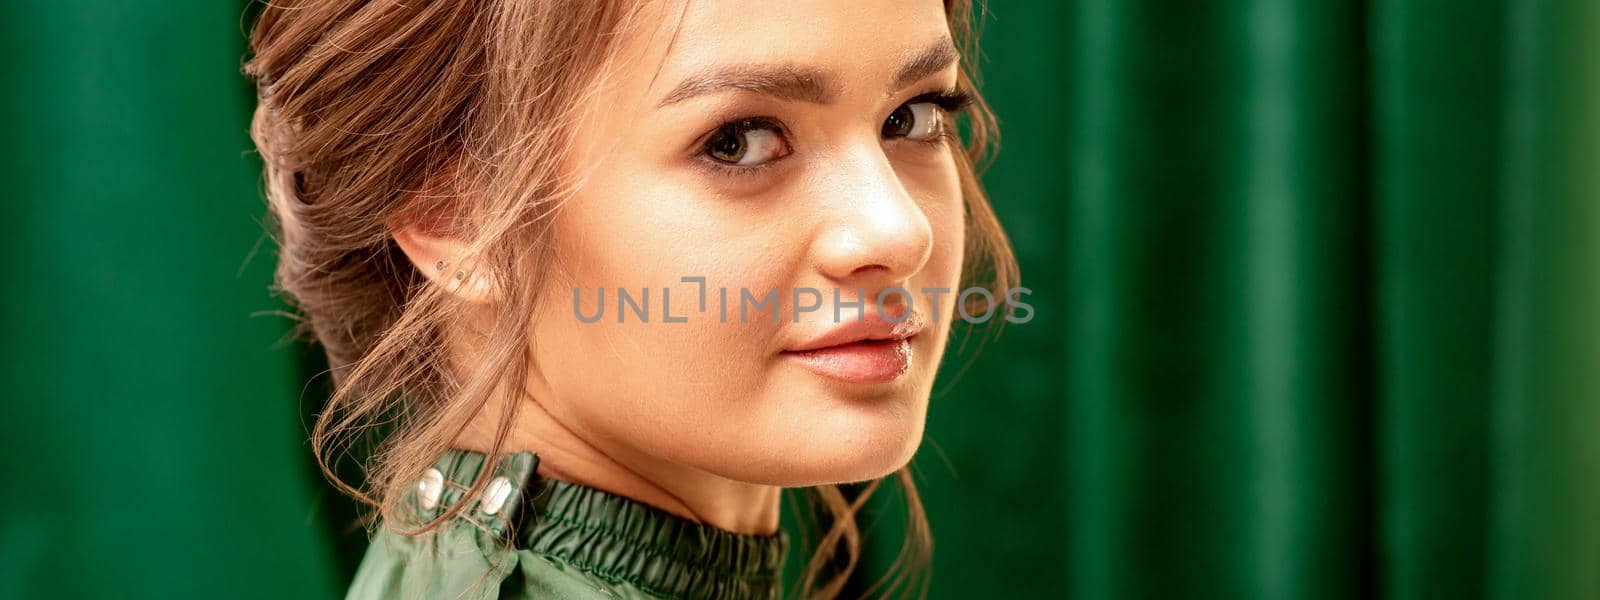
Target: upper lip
[{"x": 873, "y": 328}]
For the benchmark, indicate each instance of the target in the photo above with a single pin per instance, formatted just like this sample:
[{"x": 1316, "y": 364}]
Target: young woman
[{"x": 598, "y": 280}]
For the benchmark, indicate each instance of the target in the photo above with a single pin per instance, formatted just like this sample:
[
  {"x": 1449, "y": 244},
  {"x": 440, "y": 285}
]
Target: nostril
[{"x": 870, "y": 270}]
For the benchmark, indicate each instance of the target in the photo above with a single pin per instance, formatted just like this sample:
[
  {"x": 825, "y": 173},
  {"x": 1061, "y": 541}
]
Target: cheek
[
  {"x": 647, "y": 379},
  {"x": 945, "y": 210},
  {"x": 948, "y": 223}
]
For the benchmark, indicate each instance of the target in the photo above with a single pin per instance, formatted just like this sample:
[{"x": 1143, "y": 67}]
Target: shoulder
[{"x": 456, "y": 561}]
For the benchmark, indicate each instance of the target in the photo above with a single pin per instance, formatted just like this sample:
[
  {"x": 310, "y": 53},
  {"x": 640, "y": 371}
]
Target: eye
[
  {"x": 923, "y": 118},
  {"x": 914, "y": 120},
  {"x": 746, "y": 143}
]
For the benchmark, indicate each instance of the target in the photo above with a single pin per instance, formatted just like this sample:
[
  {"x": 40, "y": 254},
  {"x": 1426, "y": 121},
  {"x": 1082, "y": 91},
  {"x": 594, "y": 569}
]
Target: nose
[{"x": 875, "y": 233}]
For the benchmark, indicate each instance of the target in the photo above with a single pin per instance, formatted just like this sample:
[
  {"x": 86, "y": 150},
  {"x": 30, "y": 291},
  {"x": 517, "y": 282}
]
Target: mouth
[
  {"x": 865, "y": 361},
  {"x": 874, "y": 352}
]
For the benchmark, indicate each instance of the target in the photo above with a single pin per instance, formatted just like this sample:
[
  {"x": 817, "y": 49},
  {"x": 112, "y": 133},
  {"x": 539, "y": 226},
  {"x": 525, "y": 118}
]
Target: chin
[
  {"x": 872, "y": 466},
  {"x": 847, "y": 447}
]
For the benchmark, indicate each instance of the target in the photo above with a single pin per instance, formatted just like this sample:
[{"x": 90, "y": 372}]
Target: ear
[{"x": 442, "y": 259}]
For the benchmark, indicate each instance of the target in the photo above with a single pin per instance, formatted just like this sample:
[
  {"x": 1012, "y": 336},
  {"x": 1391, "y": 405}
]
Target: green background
[{"x": 1317, "y": 294}]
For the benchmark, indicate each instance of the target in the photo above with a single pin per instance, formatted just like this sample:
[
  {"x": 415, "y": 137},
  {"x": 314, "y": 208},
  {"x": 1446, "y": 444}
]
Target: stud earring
[
  {"x": 439, "y": 266},
  {"x": 460, "y": 275}
]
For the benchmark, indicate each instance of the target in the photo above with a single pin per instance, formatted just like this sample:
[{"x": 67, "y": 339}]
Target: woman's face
[{"x": 770, "y": 146}]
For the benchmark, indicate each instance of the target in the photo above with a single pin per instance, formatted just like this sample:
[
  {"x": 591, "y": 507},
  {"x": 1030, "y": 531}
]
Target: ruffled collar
[{"x": 620, "y": 539}]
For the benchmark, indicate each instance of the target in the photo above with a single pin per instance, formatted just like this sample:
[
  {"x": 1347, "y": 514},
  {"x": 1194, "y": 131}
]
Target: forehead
[{"x": 861, "y": 42}]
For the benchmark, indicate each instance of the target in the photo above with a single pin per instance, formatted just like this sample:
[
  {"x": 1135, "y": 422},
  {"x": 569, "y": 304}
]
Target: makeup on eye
[
  {"x": 923, "y": 118},
  {"x": 746, "y": 143}
]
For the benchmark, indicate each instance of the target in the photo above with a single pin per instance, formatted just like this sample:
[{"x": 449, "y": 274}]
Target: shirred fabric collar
[{"x": 623, "y": 540}]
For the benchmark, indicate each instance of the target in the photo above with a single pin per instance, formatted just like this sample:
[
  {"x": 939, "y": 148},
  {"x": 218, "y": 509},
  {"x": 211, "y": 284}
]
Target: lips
[
  {"x": 871, "y": 351},
  {"x": 859, "y": 362}
]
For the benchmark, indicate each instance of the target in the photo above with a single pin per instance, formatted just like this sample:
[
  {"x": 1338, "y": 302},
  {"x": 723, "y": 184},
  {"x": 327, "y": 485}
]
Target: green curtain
[
  {"x": 1317, "y": 290},
  {"x": 152, "y": 434}
]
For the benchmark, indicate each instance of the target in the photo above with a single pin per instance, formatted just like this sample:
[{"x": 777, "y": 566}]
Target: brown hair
[{"x": 373, "y": 112}]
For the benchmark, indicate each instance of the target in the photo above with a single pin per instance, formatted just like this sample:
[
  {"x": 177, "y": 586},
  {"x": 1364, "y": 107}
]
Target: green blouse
[{"x": 568, "y": 541}]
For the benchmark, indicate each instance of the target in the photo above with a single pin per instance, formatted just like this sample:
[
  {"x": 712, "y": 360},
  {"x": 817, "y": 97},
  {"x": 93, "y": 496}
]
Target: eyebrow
[{"x": 803, "y": 84}]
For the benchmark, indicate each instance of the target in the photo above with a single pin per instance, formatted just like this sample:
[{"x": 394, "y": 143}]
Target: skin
[{"x": 710, "y": 420}]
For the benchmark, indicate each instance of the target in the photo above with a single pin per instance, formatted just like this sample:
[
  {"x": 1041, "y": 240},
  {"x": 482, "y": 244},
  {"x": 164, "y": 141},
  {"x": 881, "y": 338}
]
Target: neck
[{"x": 568, "y": 454}]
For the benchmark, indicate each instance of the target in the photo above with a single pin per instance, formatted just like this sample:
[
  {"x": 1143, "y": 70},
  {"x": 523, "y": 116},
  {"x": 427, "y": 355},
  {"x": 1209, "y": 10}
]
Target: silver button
[
  {"x": 429, "y": 487},
  {"x": 494, "y": 497}
]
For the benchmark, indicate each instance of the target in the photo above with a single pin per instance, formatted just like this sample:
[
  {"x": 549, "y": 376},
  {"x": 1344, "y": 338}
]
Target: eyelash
[
  {"x": 738, "y": 126},
  {"x": 949, "y": 102}
]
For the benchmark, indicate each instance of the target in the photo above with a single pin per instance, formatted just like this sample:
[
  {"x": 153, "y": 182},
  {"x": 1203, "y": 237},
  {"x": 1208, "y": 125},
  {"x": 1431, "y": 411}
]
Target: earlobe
[{"x": 440, "y": 259}]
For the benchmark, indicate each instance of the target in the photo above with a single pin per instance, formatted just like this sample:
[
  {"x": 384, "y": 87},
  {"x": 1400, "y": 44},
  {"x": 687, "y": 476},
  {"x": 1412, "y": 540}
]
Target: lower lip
[{"x": 859, "y": 362}]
